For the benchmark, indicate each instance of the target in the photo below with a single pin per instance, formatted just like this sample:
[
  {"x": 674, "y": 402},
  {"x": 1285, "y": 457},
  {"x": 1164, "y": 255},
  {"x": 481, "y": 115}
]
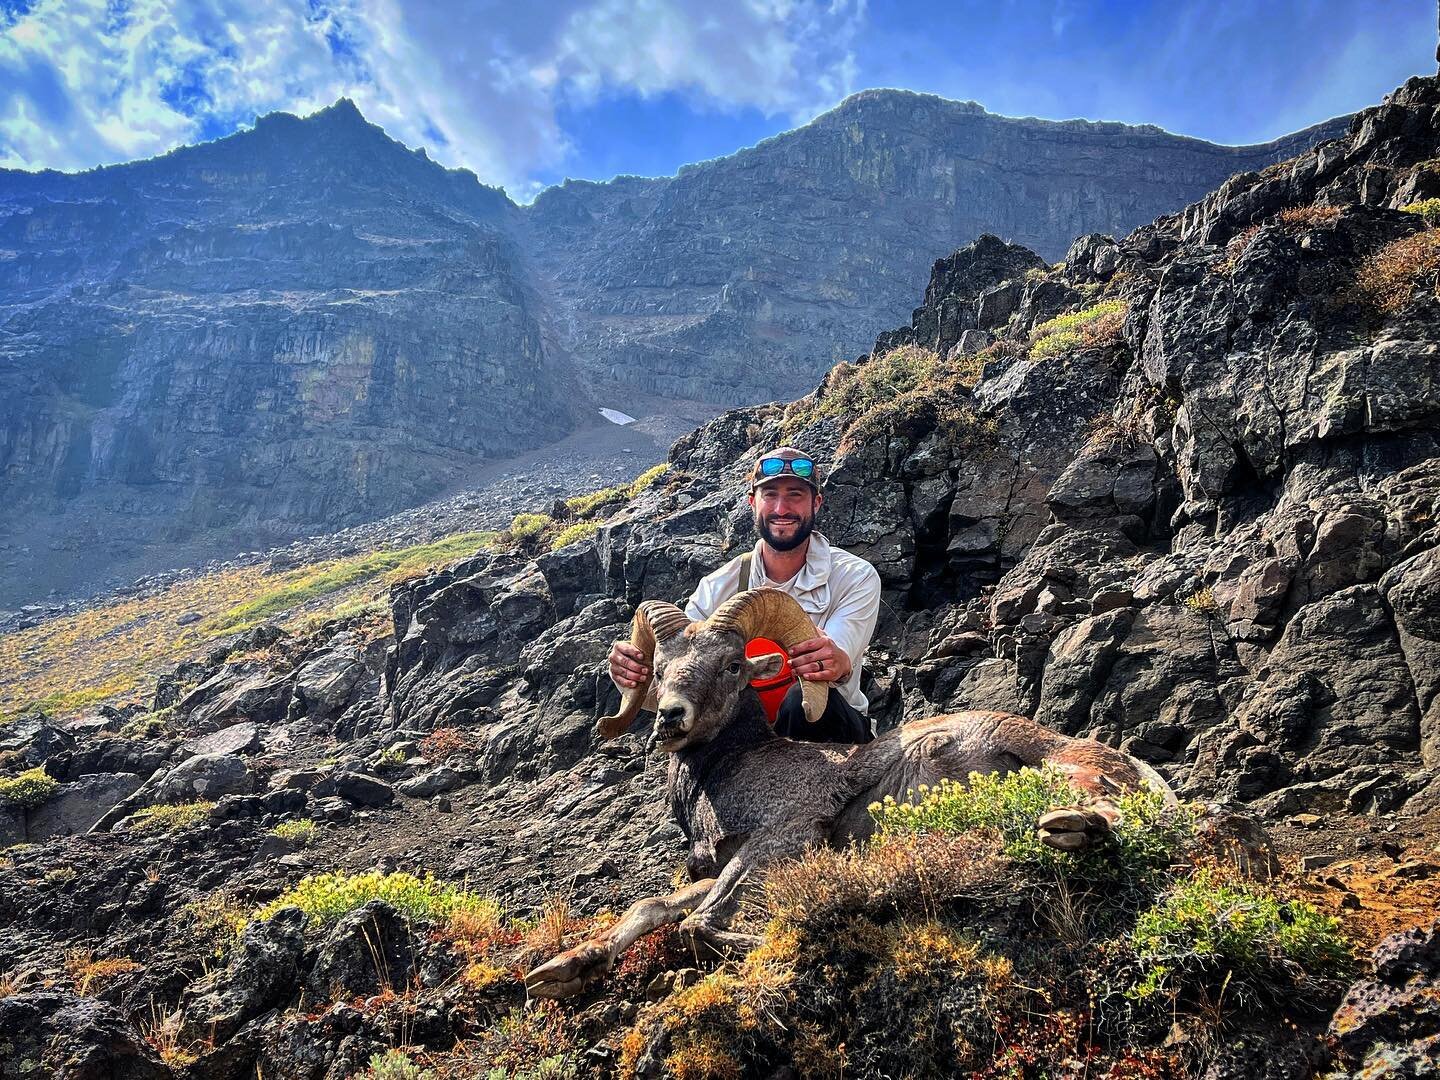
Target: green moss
[
  {"x": 585, "y": 505},
  {"x": 168, "y": 818},
  {"x": 147, "y": 726},
  {"x": 573, "y": 534},
  {"x": 28, "y": 790},
  {"x": 324, "y": 898},
  {"x": 300, "y": 586},
  {"x": 648, "y": 478}
]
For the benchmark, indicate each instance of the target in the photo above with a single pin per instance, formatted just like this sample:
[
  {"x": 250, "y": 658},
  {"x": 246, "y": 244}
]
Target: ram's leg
[
  {"x": 1103, "y": 773},
  {"x": 575, "y": 969},
  {"x": 708, "y": 926}
]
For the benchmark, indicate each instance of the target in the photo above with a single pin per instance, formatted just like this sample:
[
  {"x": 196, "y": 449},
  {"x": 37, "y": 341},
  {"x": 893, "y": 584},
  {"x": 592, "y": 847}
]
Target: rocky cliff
[
  {"x": 744, "y": 278},
  {"x": 303, "y": 325},
  {"x": 307, "y": 325},
  {"x": 1181, "y": 495}
]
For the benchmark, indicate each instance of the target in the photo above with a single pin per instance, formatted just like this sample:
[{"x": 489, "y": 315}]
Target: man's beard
[{"x": 802, "y": 533}]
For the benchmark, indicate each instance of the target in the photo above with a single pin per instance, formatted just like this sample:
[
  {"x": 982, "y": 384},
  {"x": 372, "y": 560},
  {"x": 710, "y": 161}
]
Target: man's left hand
[{"x": 820, "y": 660}]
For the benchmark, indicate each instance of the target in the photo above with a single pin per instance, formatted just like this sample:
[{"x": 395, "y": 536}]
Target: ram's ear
[{"x": 766, "y": 666}]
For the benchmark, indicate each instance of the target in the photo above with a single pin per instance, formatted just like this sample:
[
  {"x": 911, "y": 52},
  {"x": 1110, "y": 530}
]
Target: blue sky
[{"x": 526, "y": 94}]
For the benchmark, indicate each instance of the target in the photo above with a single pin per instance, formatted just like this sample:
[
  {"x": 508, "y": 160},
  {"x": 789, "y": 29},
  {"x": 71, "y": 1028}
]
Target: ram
[{"x": 746, "y": 798}]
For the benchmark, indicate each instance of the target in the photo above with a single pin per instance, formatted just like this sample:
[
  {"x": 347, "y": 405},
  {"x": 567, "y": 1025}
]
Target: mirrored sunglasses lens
[
  {"x": 802, "y": 467},
  {"x": 771, "y": 466}
]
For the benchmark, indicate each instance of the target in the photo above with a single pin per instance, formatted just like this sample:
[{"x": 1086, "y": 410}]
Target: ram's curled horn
[
  {"x": 655, "y": 620},
  {"x": 770, "y": 613}
]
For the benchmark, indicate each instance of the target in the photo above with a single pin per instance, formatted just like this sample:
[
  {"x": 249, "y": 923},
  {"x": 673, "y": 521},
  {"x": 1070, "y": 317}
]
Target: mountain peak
[{"x": 343, "y": 111}]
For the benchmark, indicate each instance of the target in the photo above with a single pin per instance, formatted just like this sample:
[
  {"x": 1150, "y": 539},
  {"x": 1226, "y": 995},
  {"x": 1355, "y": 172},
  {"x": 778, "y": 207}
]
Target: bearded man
[{"x": 839, "y": 591}]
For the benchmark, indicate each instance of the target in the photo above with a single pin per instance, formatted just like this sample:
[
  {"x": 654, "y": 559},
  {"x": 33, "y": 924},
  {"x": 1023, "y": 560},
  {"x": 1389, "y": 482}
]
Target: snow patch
[{"x": 615, "y": 416}]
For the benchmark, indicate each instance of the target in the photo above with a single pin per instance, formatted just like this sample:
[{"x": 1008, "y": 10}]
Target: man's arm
[{"x": 846, "y": 634}]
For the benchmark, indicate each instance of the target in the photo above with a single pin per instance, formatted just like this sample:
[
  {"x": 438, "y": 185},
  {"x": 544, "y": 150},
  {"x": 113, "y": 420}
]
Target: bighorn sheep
[{"x": 746, "y": 798}]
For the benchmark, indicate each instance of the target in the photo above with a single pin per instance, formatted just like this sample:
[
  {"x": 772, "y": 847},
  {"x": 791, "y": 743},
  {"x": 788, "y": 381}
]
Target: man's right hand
[{"x": 627, "y": 666}]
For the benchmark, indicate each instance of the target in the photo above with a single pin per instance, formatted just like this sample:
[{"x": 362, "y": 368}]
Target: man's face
[{"x": 785, "y": 512}]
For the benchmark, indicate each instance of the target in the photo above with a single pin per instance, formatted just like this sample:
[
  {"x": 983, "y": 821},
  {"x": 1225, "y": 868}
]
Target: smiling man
[{"x": 839, "y": 591}]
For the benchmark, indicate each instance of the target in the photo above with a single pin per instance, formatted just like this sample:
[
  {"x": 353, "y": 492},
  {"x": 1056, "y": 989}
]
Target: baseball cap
[{"x": 785, "y": 461}]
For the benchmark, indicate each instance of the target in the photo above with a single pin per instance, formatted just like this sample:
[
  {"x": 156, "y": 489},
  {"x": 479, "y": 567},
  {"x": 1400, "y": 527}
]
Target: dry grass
[
  {"x": 1387, "y": 278},
  {"x": 549, "y": 932},
  {"x": 899, "y": 394},
  {"x": 14, "y": 982},
  {"x": 81, "y": 965},
  {"x": 1308, "y": 217},
  {"x": 903, "y": 873},
  {"x": 1234, "y": 248},
  {"x": 162, "y": 1031}
]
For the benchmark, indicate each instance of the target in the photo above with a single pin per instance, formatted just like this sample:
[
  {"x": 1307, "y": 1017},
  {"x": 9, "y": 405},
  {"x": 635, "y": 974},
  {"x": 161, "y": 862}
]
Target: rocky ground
[{"x": 1196, "y": 518}]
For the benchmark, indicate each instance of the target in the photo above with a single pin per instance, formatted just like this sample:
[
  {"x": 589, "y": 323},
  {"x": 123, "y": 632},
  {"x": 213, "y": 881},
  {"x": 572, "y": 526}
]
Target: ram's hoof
[
  {"x": 569, "y": 973},
  {"x": 705, "y": 937},
  {"x": 1071, "y": 828}
]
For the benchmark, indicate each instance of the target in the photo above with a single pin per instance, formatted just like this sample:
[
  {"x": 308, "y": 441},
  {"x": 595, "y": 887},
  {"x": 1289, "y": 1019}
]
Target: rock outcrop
[{"x": 306, "y": 325}]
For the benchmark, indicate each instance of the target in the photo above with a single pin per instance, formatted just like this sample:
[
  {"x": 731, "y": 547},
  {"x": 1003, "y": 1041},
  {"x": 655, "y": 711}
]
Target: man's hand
[
  {"x": 820, "y": 660},
  {"x": 627, "y": 666}
]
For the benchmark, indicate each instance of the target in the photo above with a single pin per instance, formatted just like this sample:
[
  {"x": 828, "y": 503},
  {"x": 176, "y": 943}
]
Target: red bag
[{"x": 772, "y": 691}]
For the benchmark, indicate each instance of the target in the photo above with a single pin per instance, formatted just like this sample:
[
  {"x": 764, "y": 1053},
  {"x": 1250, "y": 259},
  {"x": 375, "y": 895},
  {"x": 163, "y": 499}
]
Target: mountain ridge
[{"x": 307, "y": 325}]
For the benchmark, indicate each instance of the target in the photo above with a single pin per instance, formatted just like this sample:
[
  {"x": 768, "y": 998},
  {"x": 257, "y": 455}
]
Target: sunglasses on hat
[{"x": 774, "y": 466}]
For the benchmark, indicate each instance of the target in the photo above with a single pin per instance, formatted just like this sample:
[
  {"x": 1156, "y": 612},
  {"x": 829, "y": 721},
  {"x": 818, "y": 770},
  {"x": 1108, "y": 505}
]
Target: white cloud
[{"x": 92, "y": 82}]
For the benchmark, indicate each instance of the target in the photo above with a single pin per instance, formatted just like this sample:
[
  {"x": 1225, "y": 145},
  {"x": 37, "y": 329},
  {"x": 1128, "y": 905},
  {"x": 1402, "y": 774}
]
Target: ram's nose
[{"x": 672, "y": 719}]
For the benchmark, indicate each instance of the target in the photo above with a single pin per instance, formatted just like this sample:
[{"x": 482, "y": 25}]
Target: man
[{"x": 839, "y": 591}]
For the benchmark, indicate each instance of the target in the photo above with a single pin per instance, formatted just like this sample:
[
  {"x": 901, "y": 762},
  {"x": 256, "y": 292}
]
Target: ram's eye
[{"x": 735, "y": 667}]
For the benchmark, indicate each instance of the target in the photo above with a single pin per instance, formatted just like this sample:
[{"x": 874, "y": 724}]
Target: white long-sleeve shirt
[{"x": 839, "y": 591}]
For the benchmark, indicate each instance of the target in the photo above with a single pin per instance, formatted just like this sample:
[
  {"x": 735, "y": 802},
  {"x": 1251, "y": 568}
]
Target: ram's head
[{"x": 699, "y": 669}]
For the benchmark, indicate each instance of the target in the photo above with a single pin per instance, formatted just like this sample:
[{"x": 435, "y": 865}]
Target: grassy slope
[{"x": 112, "y": 651}]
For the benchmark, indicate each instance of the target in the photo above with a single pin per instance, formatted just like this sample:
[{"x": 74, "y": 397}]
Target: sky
[{"x": 528, "y": 93}]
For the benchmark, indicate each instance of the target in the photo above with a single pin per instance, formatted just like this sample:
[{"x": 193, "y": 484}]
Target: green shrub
[
  {"x": 324, "y": 898},
  {"x": 648, "y": 478},
  {"x": 28, "y": 790},
  {"x": 1202, "y": 602},
  {"x": 573, "y": 534},
  {"x": 1427, "y": 209},
  {"x": 528, "y": 526},
  {"x": 585, "y": 505},
  {"x": 1150, "y": 835},
  {"x": 168, "y": 818},
  {"x": 1090, "y": 328},
  {"x": 1055, "y": 344},
  {"x": 147, "y": 726},
  {"x": 1207, "y": 927},
  {"x": 395, "y": 1065},
  {"x": 555, "y": 1067},
  {"x": 300, "y": 831}
]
